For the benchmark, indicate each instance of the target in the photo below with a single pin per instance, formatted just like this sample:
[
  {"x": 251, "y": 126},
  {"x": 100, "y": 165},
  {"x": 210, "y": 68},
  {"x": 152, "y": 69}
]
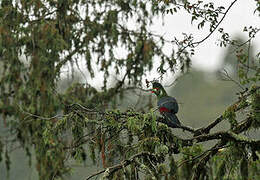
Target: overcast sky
[{"x": 208, "y": 55}]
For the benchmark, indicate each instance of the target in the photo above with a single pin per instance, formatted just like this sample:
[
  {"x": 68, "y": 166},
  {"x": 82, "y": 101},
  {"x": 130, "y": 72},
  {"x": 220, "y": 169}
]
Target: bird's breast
[{"x": 163, "y": 109}]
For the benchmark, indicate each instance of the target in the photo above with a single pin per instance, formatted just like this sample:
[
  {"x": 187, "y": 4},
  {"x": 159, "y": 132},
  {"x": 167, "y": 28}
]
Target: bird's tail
[{"x": 173, "y": 120}]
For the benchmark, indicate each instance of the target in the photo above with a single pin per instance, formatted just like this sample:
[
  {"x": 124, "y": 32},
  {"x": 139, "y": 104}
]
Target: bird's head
[{"x": 158, "y": 89}]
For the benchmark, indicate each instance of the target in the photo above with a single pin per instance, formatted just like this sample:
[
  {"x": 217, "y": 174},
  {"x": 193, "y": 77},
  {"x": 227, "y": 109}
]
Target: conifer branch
[{"x": 109, "y": 171}]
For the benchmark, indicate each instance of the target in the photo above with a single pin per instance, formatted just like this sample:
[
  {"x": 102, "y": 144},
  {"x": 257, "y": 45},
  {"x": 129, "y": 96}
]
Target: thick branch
[
  {"x": 169, "y": 124},
  {"x": 227, "y": 135}
]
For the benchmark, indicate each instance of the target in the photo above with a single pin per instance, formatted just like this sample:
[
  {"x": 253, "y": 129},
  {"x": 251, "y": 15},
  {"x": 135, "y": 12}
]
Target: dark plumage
[{"x": 168, "y": 106}]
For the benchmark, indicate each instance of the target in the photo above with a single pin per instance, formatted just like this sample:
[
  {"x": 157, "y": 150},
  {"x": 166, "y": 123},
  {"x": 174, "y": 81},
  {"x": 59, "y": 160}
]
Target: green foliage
[
  {"x": 188, "y": 156},
  {"x": 230, "y": 115},
  {"x": 232, "y": 162},
  {"x": 256, "y": 109},
  {"x": 244, "y": 168},
  {"x": 221, "y": 170},
  {"x": 189, "y": 152},
  {"x": 254, "y": 169}
]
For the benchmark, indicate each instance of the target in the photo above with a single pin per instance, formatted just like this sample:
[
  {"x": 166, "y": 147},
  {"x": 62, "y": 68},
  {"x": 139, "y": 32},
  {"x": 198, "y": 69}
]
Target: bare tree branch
[{"x": 228, "y": 78}]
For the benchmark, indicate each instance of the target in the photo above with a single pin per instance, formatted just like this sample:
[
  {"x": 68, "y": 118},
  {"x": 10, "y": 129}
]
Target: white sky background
[{"x": 208, "y": 56}]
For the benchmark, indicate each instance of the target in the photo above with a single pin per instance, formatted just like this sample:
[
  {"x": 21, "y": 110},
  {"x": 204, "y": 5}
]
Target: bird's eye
[{"x": 156, "y": 89}]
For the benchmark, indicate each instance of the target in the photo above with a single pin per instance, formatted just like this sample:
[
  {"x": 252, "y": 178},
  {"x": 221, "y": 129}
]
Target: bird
[{"x": 168, "y": 106}]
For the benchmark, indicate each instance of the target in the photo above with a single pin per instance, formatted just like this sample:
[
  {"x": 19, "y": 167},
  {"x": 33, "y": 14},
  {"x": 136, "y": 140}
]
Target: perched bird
[{"x": 168, "y": 106}]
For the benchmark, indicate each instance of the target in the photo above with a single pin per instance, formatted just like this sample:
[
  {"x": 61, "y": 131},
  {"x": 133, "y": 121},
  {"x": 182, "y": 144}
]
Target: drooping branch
[
  {"x": 202, "y": 162},
  {"x": 109, "y": 171},
  {"x": 199, "y": 156}
]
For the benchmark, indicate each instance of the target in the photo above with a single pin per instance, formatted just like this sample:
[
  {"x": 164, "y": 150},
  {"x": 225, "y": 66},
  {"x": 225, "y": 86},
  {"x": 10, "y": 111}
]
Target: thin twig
[
  {"x": 119, "y": 166},
  {"x": 248, "y": 56},
  {"x": 198, "y": 156},
  {"x": 228, "y": 78},
  {"x": 223, "y": 17},
  {"x": 40, "y": 117}
]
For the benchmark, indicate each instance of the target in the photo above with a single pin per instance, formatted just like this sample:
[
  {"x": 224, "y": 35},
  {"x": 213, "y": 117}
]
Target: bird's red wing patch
[{"x": 163, "y": 109}]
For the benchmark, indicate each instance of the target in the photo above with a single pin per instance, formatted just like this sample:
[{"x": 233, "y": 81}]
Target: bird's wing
[
  {"x": 171, "y": 120},
  {"x": 169, "y": 103}
]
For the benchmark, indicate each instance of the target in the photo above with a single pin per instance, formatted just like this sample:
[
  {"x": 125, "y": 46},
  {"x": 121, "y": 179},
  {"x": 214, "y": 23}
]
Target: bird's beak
[{"x": 154, "y": 90}]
